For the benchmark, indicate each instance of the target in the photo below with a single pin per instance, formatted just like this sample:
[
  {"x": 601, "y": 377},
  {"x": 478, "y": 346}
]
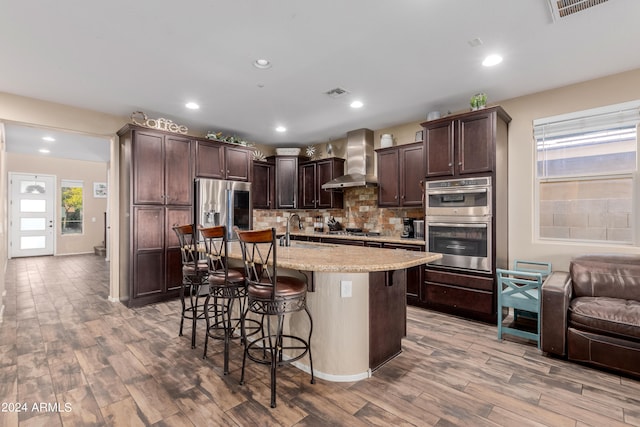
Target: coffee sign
[{"x": 139, "y": 118}]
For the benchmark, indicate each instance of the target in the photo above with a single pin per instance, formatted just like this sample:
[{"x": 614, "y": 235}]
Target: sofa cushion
[
  {"x": 606, "y": 275},
  {"x": 606, "y": 316}
]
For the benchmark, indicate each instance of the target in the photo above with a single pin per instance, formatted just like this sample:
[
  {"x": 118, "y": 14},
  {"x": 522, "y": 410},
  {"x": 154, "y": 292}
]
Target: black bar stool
[
  {"x": 226, "y": 286},
  {"x": 271, "y": 295},
  {"x": 194, "y": 274}
]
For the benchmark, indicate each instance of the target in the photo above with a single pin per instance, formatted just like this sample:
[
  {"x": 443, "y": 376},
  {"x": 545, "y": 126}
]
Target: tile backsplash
[{"x": 360, "y": 211}]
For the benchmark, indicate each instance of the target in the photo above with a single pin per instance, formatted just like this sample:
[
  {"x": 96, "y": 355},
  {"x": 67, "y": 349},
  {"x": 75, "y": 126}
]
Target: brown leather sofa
[{"x": 591, "y": 314}]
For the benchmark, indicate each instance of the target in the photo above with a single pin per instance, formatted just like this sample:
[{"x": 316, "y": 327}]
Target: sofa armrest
[{"x": 556, "y": 296}]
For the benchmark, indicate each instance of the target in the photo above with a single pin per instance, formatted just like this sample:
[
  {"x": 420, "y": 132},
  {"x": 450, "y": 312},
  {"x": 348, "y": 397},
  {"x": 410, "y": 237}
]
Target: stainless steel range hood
[{"x": 359, "y": 162}]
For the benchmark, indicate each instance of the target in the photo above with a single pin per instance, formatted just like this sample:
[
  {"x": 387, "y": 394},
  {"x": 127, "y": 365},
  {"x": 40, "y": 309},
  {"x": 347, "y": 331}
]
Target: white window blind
[
  {"x": 586, "y": 167},
  {"x": 597, "y": 141}
]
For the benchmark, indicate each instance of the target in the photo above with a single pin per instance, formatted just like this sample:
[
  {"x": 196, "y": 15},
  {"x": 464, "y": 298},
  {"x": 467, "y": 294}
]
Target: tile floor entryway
[{"x": 85, "y": 361}]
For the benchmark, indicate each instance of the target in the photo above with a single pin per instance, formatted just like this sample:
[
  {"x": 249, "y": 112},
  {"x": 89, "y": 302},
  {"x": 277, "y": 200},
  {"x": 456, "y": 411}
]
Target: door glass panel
[
  {"x": 32, "y": 224},
  {"x": 32, "y": 242},
  {"x": 27, "y": 205},
  {"x": 32, "y": 187}
]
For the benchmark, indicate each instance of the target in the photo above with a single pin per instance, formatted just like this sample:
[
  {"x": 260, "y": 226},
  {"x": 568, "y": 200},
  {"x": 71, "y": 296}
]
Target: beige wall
[
  {"x": 595, "y": 93},
  {"x": 94, "y": 208},
  {"x": 62, "y": 117},
  {"x": 523, "y": 110},
  {"x": 3, "y": 218}
]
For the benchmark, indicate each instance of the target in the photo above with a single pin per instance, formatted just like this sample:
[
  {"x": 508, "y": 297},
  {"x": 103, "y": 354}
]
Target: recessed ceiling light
[
  {"x": 356, "y": 104},
  {"x": 48, "y": 138},
  {"x": 263, "y": 64},
  {"x": 492, "y": 60},
  {"x": 192, "y": 106},
  {"x": 281, "y": 129},
  {"x": 44, "y": 151}
]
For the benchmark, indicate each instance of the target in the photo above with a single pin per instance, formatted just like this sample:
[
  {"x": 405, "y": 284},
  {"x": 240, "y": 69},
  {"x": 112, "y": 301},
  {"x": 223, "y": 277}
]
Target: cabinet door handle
[
  {"x": 450, "y": 164},
  {"x": 459, "y": 163}
]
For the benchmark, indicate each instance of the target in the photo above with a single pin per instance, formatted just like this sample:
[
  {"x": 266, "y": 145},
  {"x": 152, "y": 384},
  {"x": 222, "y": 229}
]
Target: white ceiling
[
  {"x": 28, "y": 140},
  {"x": 402, "y": 58}
]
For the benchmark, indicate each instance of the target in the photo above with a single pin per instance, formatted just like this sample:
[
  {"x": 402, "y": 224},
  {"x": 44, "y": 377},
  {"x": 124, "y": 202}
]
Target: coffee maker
[{"x": 408, "y": 231}]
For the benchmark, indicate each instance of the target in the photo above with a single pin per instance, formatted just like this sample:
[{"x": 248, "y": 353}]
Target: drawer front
[
  {"x": 457, "y": 279},
  {"x": 405, "y": 247},
  {"x": 459, "y": 298}
]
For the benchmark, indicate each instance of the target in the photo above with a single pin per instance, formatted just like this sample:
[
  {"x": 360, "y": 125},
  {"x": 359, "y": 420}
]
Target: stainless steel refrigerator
[{"x": 220, "y": 202}]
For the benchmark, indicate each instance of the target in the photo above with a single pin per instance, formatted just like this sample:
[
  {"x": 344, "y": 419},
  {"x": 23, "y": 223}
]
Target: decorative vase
[{"x": 386, "y": 140}]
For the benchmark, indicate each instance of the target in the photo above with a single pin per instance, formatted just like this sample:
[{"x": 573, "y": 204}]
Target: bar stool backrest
[
  {"x": 259, "y": 256},
  {"x": 216, "y": 247},
  {"x": 188, "y": 245}
]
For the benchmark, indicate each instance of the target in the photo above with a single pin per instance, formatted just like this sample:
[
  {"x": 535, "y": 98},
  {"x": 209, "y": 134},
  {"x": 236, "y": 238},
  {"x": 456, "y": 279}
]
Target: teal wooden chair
[
  {"x": 519, "y": 289},
  {"x": 542, "y": 267}
]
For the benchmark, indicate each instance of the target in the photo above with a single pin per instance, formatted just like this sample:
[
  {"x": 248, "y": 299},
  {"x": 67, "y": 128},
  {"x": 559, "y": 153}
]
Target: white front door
[{"x": 32, "y": 220}]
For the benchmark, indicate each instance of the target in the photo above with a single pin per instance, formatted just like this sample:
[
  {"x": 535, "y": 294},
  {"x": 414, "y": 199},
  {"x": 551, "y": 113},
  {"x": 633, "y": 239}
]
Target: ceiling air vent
[
  {"x": 337, "y": 92},
  {"x": 564, "y": 8}
]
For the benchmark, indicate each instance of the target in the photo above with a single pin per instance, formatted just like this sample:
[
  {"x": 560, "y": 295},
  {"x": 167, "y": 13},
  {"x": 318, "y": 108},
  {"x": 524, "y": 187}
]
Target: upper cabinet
[
  {"x": 286, "y": 182},
  {"x": 219, "y": 160},
  {"x": 263, "y": 184},
  {"x": 160, "y": 167},
  {"x": 312, "y": 176},
  {"x": 463, "y": 144},
  {"x": 401, "y": 175}
]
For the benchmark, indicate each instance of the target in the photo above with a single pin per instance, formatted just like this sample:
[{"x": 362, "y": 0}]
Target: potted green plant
[{"x": 478, "y": 101}]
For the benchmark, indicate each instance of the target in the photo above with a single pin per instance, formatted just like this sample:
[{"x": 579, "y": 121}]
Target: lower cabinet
[
  {"x": 388, "y": 316},
  {"x": 156, "y": 267},
  {"x": 466, "y": 295},
  {"x": 414, "y": 274}
]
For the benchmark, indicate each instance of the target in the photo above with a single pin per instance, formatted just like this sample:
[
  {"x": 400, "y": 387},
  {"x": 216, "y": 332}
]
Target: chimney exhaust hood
[{"x": 359, "y": 162}]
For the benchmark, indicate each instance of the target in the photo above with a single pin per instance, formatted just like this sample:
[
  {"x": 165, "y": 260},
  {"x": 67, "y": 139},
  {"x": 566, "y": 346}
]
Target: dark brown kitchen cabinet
[
  {"x": 156, "y": 176},
  {"x": 388, "y": 316},
  {"x": 157, "y": 264},
  {"x": 401, "y": 175},
  {"x": 286, "y": 182},
  {"x": 415, "y": 275},
  {"x": 469, "y": 295},
  {"x": 468, "y": 145},
  {"x": 263, "y": 185},
  {"x": 162, "y": 168},
  {"x": 463, "y": 144},
  {"x": 219, "y": 160},
  {"x": 312, "y": 176}
]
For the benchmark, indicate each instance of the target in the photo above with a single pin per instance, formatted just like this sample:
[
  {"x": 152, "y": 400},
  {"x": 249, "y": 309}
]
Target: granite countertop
[
  {"x": 388, "y": 239},
  {"x": 327, "y": 257}
]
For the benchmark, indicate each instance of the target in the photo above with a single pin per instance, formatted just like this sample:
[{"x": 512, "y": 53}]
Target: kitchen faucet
[{"x": 287, "y": 235}]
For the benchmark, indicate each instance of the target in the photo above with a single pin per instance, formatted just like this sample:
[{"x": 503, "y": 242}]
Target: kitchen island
[{"x": 357, "y": 300}]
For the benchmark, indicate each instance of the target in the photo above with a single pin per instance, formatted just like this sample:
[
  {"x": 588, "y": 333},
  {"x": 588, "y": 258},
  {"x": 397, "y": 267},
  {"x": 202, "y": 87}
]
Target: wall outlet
[{"x": 345, "y": 288}]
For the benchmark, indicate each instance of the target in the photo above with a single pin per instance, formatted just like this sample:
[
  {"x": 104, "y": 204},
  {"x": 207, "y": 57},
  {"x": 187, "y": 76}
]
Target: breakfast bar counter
[{"x": 357, "y": 298}]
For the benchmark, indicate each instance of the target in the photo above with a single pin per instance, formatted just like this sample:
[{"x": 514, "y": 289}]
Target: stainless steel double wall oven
[{"x": 458, "y": 222}]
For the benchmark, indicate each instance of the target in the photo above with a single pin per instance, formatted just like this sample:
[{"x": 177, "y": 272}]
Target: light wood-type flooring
[{"x": 82, "y": 360}]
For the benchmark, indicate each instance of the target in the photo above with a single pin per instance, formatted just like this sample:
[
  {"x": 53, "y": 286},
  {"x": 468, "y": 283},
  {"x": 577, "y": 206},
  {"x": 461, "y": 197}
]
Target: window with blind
[{"x": 586, "y": 168}]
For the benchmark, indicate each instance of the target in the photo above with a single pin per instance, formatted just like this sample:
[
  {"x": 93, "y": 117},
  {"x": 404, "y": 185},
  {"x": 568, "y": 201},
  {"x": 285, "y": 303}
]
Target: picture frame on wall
[
  {"x": 419, "y": 136},
  {"x": 100, "y": 190}
]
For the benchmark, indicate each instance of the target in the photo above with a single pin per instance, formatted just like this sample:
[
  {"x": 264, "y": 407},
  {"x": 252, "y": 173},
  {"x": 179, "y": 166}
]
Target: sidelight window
[
  {"x": 586, "y": 169},
  {"x": 72, "y": 206}
]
